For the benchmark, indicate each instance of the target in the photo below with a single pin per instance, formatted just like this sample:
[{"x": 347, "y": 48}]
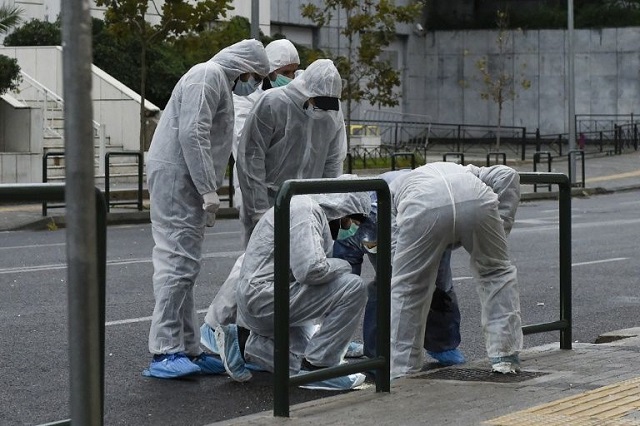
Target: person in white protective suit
[
  {"x": 322, "y": 290},
  {"x": 296, "y": 132},
  {"x": 436, "y": 206},
  {"x": 283, "y": 63},
  {"x": 279, "y": 142},
  {"x": 185, "y": 167}
]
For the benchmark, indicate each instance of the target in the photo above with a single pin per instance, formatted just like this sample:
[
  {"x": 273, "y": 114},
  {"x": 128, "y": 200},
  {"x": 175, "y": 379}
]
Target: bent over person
[
  {"x": 434, "y": 207},
  {"x": 186, "y": 165}
]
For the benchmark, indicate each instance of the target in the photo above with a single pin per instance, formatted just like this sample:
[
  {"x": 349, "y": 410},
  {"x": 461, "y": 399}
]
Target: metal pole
[
  {"x": 255, "y": 19},
  {"x": 80, "y": 198},
  {"x": 571, "y": 91}
]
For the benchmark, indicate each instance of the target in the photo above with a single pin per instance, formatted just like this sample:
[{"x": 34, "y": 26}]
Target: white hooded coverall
[
  {"x": 280, "y": 142},
  {"x": 188, "y": 158},
  {"x": 435, "y": 206},
  {"x": 323, "y": 288},
  {"x": 280, "y": 53}
]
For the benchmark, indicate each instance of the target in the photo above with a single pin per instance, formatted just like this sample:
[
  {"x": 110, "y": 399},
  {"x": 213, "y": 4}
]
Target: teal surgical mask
[
  {"x": 280, "y": 81},
  {"x": 346, "y": 233}
]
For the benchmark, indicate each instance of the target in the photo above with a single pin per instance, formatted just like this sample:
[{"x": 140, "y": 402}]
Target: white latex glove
[
  {"x": 211, "y": 219},
  {"x": 210, "y": 206},
  {"x": 211, "y": 202}
]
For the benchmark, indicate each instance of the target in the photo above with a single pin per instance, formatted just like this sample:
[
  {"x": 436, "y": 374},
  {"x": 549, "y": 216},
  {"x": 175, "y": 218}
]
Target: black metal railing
[
  {"x": 381, "y": 363},
  {"x": 537, "y": 159},
  {"x": 497, "y": 156},
  {"x": 45, "y": 177},
  {"x": 457, "y": 155},
  {"x": 395, "y": 155}
]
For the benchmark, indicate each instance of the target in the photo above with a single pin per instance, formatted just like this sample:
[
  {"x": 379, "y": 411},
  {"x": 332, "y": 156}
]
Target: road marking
[
  {"x": 593, "y": 262},
  {"x": 32, "y": 246},
  {"x": 57, "y": 266},
  {"x": 139, "y": 319},
  {"x": 612, "y": 405},
  {"x": 574, "y": 226}
]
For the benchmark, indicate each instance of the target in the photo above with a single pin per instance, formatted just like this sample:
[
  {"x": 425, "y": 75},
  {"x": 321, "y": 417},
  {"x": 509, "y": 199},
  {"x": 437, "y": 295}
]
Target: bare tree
[{"x": 499, "y": 82}]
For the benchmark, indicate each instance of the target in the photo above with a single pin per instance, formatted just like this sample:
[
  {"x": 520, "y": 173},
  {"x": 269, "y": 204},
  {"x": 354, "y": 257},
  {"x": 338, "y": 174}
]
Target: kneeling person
[{"x": 322, "y": 290}]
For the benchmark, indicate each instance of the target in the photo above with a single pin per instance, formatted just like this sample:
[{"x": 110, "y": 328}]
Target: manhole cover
[{"x": 478, "y": 375}]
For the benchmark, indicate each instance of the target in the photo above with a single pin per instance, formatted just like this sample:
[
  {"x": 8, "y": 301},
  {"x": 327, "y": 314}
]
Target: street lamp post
[
  {"x": 255, "y": 19},
  {"x": 571, "y": 91}
]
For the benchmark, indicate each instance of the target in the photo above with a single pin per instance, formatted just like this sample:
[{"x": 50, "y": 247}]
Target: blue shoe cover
[
  {"x": 450, "y": 357},
  {"x": 254, "y": 367},
  {"x": 355, "y": 350},
  {"x": 227, "y": 339},
  {"x": 170, "y": 366},
  {"x": 352, "y": 381},
  {"x": 208, "y": 338},
  {"x": 209, "y": 364}
]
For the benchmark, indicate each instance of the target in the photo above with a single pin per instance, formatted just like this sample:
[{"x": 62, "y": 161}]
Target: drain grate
[{"x": 478, "y": 375}]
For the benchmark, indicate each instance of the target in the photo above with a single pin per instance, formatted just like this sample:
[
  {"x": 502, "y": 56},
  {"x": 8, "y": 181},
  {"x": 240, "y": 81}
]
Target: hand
[
  {"x": 211, "y": 203},
  {"x": 210, "y": 218}
]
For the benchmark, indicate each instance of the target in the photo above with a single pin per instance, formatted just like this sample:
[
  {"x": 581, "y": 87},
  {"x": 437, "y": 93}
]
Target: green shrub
[
  {"x": 36, "y": 33},
  {"x": 10, "y": 76}
]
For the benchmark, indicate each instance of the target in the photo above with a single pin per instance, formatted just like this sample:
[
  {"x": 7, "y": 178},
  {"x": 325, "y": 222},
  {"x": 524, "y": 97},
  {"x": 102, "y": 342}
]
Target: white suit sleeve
[
  {"x": 199, "y": 106},
  {"x": 333, "y": 166},
  {"x": 252, "y": 152},
  {"x": 505, "y": 182},
  {"x": 309, "y": 262}
]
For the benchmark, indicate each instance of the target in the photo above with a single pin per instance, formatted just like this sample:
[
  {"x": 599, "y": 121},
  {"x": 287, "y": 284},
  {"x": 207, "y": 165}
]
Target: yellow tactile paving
[{"x": 613, "y": 405}]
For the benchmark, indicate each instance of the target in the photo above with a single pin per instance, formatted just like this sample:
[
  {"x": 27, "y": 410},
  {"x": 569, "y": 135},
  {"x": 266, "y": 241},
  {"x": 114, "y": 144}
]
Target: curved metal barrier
[
  {"x": 459, "y": 155},
  {"x": 564, "y": 323},
  {"x": 497, "y": 156},
  {"x": 381, "y": 363},
  {"x": 107, "y": 177}
]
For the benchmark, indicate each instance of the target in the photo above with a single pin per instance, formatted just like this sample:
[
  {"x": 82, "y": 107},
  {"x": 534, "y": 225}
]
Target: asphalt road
[{"x": 33, "y": 326}]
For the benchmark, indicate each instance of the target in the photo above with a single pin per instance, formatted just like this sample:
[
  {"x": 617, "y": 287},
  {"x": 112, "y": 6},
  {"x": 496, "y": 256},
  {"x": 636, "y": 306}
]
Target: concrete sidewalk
[
  {"x": 591, "y": 384},
  {"x": 602, "y": 174}
]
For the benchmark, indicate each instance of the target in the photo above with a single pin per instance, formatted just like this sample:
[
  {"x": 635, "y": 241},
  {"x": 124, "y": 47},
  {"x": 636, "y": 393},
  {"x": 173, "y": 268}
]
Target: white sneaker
[{"x": 352, "y": 381}]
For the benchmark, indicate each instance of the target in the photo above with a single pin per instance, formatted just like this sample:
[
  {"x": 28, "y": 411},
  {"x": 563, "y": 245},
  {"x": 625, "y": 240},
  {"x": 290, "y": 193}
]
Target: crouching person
[{"x": 322, "y": 290}]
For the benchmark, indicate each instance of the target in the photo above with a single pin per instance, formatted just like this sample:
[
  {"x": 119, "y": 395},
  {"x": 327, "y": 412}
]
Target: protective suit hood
[
  {"x": 243, "y": 57},
  {"x": 281, "y": 53},
  {"x": 321, "y": 78},
  {"x": 336, "y": 206}
]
